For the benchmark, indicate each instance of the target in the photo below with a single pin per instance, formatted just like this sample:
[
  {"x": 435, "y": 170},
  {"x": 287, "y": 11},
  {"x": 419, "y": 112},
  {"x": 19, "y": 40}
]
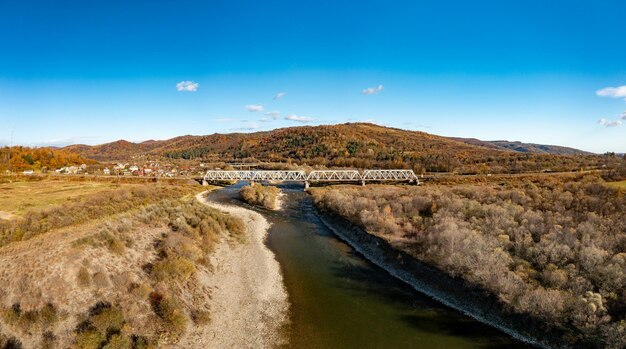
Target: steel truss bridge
[{"x": 317, "y": 176}]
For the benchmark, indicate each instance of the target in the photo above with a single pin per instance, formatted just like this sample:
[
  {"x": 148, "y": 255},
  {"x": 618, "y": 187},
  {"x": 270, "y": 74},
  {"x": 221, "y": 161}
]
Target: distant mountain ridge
[{"x": 523, "y": 147}]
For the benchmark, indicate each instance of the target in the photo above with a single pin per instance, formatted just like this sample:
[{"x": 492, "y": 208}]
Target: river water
[{"x": 340, "y": 300}]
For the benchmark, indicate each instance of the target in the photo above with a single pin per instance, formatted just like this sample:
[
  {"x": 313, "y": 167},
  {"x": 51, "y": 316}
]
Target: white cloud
[
  {"x": 254, "y": 107},
  {"x": 280, "y": 95},
  {"x": 607, "y": 123},
  {"x": 614, "y": 92},
  {"x": 372, "y": 90},
  {"x": 623, "y": 117},
  {"x": 187, "y": 86},
  {"x": 273, "y": 114},
  {"x": 298, "y": 118}
]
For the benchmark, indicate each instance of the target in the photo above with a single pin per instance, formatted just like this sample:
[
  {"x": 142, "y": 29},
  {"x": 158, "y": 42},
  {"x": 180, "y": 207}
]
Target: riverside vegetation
[
  {"x": 552, "y": 251},
  {"x": 117, "y": 269},
  {"x": 260, "y": 195}
]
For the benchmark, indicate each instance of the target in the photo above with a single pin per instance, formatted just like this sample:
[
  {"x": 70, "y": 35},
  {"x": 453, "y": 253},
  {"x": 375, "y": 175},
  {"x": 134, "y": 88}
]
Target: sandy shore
[{"x": 249, "y": 303}]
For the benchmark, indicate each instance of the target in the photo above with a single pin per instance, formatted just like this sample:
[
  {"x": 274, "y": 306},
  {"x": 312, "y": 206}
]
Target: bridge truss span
[
  {"x": 278, "y": 175},
  {"x": 334, "y": 176},
  {"x": 389, "y": 175},
  {"x": 316, "y": 176}
]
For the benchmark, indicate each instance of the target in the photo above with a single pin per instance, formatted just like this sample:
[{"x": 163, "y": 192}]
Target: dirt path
[{"x": 249, "y": 303}]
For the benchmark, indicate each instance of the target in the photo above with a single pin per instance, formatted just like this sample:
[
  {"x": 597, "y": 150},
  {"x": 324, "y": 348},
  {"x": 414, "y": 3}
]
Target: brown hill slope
[{"x": 353, "y": 144}]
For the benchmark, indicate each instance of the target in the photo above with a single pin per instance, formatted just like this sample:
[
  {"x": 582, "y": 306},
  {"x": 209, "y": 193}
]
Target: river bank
[
  {"x": 452, "y": 292},
  {"x": 249, "y": 303}
]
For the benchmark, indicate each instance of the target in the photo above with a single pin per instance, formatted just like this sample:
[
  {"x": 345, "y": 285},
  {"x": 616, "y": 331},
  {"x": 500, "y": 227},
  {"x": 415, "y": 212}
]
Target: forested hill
[
  {"x": 20, "y": 158},
  {"x": 353, "y": 144}
]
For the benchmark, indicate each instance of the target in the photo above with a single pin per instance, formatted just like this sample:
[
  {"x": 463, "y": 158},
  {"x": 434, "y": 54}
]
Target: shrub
[
  {"x": 44, "y": 318},
  {"x": 201, "y": 317},
  {"x": 173, "y": 268},
  {"x": 118, "y": 341},
  {"x": 89, "y": 340},
  {"x": 259, "y": 195},
  {"x": 102, "y": 328},
  {"x": 169, "y": 309},
  {"x": 83, "y": 277},
  {"x": 141, "y": 291},
  {"x": 48, "y": 340},
  {"x": 116, "y": 245},
  {"x": 9, "y": 342},
  {"x": 48, "y": 315}
]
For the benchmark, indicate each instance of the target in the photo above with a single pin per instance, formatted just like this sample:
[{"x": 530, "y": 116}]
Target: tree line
[{"x": 20, "y": 158}]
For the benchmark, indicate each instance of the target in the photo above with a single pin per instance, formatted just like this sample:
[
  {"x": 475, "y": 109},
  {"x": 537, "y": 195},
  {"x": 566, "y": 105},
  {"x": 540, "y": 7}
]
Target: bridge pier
[
  {"x": 306, "y": 185},
  {"x": 204, "y": 183},
  {"x": 362, "y": 183}
]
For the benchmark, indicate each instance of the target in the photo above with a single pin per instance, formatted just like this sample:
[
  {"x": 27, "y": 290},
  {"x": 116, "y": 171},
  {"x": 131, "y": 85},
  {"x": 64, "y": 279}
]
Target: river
[{"x": 341, "y": 300}]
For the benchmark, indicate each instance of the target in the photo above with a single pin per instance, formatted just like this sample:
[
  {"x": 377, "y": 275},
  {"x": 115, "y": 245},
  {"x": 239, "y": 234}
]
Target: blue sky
[{"x": 98, "y": 71}]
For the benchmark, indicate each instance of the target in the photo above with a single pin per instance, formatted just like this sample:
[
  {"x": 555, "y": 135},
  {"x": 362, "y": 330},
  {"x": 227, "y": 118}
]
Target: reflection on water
[{"x": 340, "y": 300}]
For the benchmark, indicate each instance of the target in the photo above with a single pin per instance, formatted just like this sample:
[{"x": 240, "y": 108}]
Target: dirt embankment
[
  {"x": 433, "y": 283},
  {"x": 249, "y": 305}
]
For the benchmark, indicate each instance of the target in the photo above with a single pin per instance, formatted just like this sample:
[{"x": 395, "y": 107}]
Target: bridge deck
[{"x": 313, "y": 176}]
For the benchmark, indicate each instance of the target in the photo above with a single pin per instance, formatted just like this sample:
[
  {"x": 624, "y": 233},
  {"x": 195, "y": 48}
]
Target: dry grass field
[
  {"x": 18, "y": 197},
  {"x": 33, "y": 207}
]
